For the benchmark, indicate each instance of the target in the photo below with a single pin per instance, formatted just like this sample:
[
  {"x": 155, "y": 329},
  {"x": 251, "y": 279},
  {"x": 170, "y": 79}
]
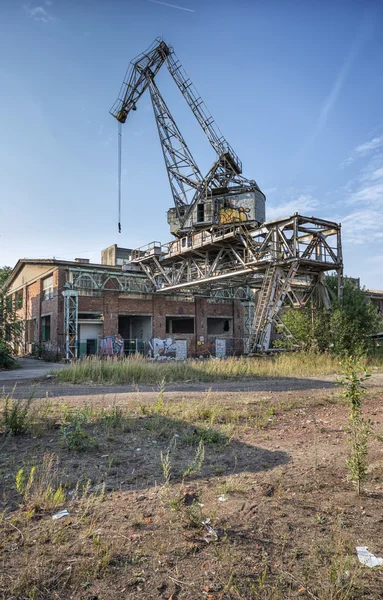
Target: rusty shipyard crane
[
  {"x": 223, "y": 195},
  {"x": 223, "y": 246}
]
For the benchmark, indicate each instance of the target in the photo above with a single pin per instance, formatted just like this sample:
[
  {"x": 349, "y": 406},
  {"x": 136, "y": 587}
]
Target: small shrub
[
  {"x": 160, "y": 399},
  {"x": 166, "y": 460},
  {"x": 359, "y": 428},
  {"x": 207, "y": 436},
  {"x": 40, "y": 489},
  {"x": 16, "y": 415},
  {"x": 197, "y": 462},
  {"x": 194, "y": 515},
  {"x": 72, "y": 431}
]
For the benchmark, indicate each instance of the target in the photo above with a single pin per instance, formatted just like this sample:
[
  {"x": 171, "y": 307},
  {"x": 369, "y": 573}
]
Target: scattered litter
[
  {"x": 190, "y": 498},
  {"x": 105, "y": 456},
  {"x": 133, "y": 471},
  {"x": 176, "y": 435},
  {"x": 141, "y": 497},
  {"x": 222, "y": 498},
  {"x": 59, "y": 515},
  {"x": 138, "y": 449},
  {"x": 368, "y": 559},
  {"x": 211, "y": 535}
]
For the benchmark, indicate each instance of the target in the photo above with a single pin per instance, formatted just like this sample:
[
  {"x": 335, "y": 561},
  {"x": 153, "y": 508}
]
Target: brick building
[{"x": 116, "y": 299}]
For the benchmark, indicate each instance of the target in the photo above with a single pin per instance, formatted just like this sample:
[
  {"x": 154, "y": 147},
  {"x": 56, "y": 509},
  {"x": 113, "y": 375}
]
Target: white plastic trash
[
  {"x": 59, "y": 515},
  {"x": 368, "y": 559}
]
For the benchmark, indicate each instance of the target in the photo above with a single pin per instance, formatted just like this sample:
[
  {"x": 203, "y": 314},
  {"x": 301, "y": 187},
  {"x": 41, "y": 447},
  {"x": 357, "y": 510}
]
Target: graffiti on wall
[
  {"x": 163, "y": 347},
  {"x": 111, "y": 345}
]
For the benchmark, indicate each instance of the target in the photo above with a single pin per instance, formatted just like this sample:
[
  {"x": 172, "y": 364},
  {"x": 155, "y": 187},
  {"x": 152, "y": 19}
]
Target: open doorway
[{"x": 136, "y": 331}]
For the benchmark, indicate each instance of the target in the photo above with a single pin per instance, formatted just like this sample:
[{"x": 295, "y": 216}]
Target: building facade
[{"x": 116, "y": 302}]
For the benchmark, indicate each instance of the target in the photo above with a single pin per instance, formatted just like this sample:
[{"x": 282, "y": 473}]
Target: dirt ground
[{"x": 190, "y": 493}]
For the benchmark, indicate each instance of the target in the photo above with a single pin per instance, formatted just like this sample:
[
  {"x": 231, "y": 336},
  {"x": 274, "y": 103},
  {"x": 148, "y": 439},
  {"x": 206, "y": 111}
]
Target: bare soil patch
[{"x": 267, "y": 511}]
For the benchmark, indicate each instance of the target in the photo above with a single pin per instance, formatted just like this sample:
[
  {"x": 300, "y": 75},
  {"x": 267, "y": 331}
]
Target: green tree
[
  {"x": 4, "y": 273},
  {"x": 353, "y": 321},
  {"x": 10, "y": 324},
  {"x": 344, "y": 328}
]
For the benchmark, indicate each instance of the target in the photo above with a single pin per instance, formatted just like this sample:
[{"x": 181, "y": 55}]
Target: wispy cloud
[
  {"x": 364, "y": 150},
  {"x": 376, "y": 142},
  {"x": 364, "y": 224},
  {"x": 39, "y": 13},
  {"x": 172, "y": 5},
  {"x": 362, "y": 227},
  {"x": 368, "y": 187},
  {"x": 303, "y": 204}
]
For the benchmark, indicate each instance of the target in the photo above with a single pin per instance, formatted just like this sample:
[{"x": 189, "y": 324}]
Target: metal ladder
[
  {"x": 270, "y": 301},
  {"x": 261, "y": 309}
]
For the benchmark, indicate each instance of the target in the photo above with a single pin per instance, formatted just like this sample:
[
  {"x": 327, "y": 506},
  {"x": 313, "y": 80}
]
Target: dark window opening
[
  {"x": 91, "y": 347},
  {"x": 179, "y": 324},
  {"x": 219, "y": 326},
  {"x": 46, "y": 329},
  {"x": 200, "y": 213}
]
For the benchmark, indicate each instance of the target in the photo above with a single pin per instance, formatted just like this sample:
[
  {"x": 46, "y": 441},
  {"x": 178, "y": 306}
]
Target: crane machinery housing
[{"x": 223, "y": 246}]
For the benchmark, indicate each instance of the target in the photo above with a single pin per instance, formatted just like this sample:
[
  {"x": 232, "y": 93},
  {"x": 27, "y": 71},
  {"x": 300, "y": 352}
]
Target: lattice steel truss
[
  {"x": 285, "y": 261},
  {"x": 71, "y": 323},
  {"x": 94, "y": 281}
]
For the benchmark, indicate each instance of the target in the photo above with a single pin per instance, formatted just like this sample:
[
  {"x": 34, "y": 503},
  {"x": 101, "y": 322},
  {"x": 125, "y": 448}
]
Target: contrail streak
[{"x": 172, "y": 5}]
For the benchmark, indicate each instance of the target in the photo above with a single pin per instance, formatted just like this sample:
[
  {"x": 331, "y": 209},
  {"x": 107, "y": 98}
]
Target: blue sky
[{"x": 295, "y": 86}]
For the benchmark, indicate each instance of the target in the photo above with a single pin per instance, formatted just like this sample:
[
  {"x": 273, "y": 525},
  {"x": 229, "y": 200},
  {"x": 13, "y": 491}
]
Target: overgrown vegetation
[
  {"x": 343, "y": 329},
  {"x": 136, "y": 369},
  {"x": 16, "y": 414},
  {"x": 10, "y": 324},
  {"x": 359, "y": 428}
]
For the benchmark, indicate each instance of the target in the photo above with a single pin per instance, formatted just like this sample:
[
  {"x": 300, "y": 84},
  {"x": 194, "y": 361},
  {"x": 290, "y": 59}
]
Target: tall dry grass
[{"x": 135, "y": 370}]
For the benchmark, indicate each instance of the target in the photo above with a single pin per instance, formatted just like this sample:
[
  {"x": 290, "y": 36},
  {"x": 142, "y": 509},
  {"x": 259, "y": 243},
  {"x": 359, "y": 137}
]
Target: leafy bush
[
  {"x": 344, "y": 329},
  {"x": 6, "y": 360},
  {"x": 72, "y": 431}
]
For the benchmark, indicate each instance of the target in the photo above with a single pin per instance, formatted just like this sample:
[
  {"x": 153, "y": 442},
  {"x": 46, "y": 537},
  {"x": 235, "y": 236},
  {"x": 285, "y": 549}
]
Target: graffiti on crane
[
  {"x": 233, "y": 215},
  {"x": 235, "y": 210}
]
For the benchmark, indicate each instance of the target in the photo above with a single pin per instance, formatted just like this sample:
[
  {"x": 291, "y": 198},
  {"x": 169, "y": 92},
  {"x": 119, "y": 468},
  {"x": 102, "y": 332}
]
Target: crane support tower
[{"x": 223, "y": 243}]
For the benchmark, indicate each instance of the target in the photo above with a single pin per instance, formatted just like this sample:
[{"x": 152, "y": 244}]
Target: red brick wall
[{"x": 112, "y": 304}]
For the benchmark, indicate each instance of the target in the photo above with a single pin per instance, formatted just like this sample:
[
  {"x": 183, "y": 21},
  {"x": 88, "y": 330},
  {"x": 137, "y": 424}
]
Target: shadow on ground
[{"x": 130, "y": 453}]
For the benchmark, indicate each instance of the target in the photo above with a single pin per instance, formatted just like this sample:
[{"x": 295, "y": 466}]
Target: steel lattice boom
[
  {"x": 223, "y": 195},
  {"x": 283, "y": 261}
]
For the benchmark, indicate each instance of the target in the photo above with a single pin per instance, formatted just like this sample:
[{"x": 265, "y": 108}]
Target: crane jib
[{"x": 223, "y": 195}]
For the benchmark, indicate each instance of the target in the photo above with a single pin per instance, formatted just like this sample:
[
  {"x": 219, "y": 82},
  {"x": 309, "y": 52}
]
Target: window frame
[
  {"x": 48, "y": 289},
  {"x": 45, "y": 328}
]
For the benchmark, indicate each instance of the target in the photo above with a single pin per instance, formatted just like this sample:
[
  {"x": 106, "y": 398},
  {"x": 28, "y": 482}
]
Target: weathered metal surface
[{"x": 223, "y": 195}]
